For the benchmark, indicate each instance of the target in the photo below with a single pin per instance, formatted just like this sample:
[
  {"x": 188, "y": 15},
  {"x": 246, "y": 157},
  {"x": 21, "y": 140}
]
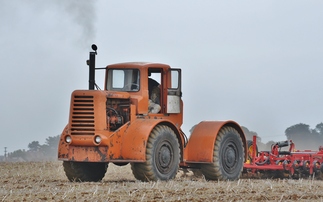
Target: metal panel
[
  {"x": 173, "y": 104},
  {"x": 82, "y": 111}
]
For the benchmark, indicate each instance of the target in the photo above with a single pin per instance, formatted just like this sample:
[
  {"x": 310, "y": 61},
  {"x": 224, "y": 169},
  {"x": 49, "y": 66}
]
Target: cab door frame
[{"x": 174, "y": 92}]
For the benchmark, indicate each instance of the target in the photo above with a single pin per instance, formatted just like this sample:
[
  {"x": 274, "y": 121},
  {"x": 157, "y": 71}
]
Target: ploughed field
[{"x": 46, "y": 181}]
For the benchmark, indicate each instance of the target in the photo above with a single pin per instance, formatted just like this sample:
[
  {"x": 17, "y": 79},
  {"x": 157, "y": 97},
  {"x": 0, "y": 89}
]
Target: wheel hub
[
  {"x": 229, "y": 159},
  {"x": 164, "y": 157},
  {"x": 230, "y": 156}
]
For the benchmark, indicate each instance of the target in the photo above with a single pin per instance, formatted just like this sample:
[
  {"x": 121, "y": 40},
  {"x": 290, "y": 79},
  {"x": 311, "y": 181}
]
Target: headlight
[
  {"x": 97, "y": 139},
  {"x": 68, "y": 139}
]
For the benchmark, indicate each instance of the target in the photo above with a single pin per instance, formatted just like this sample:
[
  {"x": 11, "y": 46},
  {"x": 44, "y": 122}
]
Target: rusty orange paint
[
  {"x": 201, "y": 143},
  {"x": 127, "y": 144},
  {"x": 134, "y": 140},
  {"x": 62, "y": 146},
  {"x": 88, "y": 154}
]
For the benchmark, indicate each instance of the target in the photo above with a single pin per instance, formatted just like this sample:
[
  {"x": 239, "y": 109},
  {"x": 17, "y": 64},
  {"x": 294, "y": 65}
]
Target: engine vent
[{"x": 82, "y": 122}]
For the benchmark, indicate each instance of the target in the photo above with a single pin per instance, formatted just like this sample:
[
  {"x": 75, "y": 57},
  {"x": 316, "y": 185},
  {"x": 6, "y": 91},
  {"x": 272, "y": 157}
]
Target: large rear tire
[
  {"x": 84, "y": 171},
  {"x": 228, "y": 156},
  {"x": 162, "y": 156}
]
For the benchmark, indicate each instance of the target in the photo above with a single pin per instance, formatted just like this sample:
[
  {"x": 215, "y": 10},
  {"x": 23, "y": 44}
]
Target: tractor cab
[{"x": 154, "y": 88}]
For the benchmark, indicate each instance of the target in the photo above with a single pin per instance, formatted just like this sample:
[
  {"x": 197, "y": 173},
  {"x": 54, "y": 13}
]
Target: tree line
[
  {"x": 301, "y": 134},
  {"x": 36, "y": 151}
]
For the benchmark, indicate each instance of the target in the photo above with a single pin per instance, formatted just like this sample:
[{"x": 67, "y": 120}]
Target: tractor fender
[
  {"x": 135, "y": 138},
  {"x": 200, "y": 146}
]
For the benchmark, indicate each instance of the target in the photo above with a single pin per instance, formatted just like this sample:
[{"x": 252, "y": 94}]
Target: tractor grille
[{"x": 82, "y": 122}]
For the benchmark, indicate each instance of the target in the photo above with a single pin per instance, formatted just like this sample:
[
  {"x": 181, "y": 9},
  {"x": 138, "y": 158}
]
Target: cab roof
[{"x": 140, "y": 65}]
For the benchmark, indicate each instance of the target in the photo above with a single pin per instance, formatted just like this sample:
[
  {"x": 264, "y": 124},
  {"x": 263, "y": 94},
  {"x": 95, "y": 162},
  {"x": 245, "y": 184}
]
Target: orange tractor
[{"x": 137, "y": 119}]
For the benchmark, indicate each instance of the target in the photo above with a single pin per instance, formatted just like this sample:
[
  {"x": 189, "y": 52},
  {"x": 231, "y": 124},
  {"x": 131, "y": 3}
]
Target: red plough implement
[{"x": 293, "y": 163}]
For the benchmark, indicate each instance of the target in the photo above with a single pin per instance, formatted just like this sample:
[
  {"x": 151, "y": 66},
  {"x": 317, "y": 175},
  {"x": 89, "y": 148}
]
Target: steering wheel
[{"x": 131, "y": 86}]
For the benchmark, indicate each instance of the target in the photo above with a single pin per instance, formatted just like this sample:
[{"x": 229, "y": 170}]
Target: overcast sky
[{"x": 256, "y": 62}]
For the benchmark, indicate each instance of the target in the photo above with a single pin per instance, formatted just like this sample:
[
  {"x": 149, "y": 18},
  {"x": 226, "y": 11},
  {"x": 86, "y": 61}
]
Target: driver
[{"x": 154, "y": 95}]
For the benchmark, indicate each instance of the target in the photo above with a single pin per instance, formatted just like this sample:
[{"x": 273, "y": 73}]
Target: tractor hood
[{"x": 115, "y": 94}]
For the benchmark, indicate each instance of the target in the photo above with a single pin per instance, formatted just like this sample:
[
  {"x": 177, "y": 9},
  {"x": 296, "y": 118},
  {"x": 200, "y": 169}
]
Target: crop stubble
[{"x": 46, "y": 181}]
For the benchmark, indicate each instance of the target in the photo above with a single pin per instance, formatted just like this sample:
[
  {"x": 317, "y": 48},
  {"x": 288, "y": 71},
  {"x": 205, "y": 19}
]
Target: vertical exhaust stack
[{"x": 91, "y": 63}]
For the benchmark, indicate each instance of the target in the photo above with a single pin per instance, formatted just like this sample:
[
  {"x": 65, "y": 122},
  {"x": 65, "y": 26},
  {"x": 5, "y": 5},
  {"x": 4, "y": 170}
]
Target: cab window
[{"x": 123, "y": 80}]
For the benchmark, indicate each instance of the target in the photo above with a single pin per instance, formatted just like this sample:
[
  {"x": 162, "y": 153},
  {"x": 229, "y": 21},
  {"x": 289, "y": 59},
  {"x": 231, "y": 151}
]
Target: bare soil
[{"x": 46, "y": 181}]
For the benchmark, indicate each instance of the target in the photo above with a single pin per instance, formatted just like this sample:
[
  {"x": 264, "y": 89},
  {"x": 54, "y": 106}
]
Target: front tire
[
  {"x": 162, "y": 156},
  {"x": 84, "y": 171},
  {"x": 228, "y": 156}
]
